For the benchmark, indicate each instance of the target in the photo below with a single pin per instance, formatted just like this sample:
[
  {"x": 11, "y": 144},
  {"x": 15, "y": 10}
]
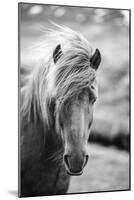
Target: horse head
[{"x": 75, "y": 95}]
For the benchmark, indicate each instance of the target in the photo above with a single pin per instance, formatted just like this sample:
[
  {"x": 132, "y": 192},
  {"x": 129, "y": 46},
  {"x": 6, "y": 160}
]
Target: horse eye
[{"x": 92, "y": 87}]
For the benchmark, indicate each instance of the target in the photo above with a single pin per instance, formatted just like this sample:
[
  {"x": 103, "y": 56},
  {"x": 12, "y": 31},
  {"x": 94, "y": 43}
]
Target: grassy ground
[{"x": 107, "y": 169}]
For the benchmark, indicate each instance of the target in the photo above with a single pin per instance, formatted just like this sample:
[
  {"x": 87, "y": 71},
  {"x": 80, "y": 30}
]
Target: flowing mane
[
  {"x": 62, "y": 81},
  {"x": 57, "y": 111}
]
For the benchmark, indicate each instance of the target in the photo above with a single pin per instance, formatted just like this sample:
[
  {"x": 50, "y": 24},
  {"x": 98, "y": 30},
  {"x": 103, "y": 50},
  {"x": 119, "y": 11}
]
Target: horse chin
[{"x": 71, "y": 173}]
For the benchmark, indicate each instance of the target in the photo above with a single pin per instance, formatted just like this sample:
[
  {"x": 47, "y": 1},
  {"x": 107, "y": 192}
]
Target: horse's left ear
[
  {"x": 57, "y": 53},
  {"x": 95, "y": 60}
]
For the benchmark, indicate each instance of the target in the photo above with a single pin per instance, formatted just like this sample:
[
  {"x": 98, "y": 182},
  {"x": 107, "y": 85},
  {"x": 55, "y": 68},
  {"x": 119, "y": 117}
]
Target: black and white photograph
[{"x": 74, "y": 99}]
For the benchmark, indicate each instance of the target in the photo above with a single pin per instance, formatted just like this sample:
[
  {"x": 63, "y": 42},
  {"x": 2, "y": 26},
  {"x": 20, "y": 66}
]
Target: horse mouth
[
  {"x": 74, "y": 173},
  {"x": 71, "y": 170}
]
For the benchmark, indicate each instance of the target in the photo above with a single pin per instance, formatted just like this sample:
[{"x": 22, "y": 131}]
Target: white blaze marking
[{"x": 82, "y": 122}]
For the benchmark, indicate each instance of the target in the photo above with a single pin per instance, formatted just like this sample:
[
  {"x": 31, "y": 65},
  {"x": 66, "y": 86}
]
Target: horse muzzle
[{"x": 75, "y": 163}]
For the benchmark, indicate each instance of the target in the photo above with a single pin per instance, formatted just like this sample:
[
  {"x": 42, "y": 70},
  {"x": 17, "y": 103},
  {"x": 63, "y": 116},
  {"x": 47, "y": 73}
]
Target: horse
[{"x": 56, "y": 113}]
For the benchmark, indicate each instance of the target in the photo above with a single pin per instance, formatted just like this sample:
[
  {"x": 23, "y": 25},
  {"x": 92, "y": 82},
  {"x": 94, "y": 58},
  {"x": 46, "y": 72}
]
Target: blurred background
[{"x": 107, "y": 30}]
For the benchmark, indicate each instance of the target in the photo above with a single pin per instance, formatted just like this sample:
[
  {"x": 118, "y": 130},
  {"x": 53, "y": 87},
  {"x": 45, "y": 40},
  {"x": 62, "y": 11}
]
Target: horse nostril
[
  {"x": 66, "y": 160},
  {"x": 85, "y": 160}
]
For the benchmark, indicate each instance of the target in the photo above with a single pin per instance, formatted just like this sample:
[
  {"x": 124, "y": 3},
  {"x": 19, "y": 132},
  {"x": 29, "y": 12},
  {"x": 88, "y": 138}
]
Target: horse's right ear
[
  {"x": 57, "y": 53},
  {"x": 95, "y": 60}
]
